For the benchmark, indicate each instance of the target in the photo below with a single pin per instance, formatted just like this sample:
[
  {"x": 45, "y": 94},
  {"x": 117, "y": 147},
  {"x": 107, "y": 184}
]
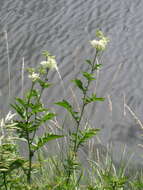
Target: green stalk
[
  {"x": 30, "y": 164},
  {"x": 4, "y": 179},
  {"x": 30, "y": 154},
  {"x": 75, "y": 149},
  {"x": 42, "y": 89},
  {"x": 84, "y": 105}
]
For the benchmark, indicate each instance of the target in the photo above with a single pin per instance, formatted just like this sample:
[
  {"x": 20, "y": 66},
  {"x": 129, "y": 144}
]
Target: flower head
[
  {"x": 34, "y": 76},
  {"x": 100, "y": 44},
  {"x": 50, "y": 63}
]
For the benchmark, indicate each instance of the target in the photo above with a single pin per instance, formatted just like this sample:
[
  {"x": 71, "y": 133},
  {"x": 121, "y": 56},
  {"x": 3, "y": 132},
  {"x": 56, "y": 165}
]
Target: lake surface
[{"x": 64, "y": 27}]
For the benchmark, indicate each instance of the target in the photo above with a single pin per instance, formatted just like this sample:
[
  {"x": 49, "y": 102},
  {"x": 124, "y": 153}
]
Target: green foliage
[
  {"x": 97, "y": 66},
  {"x": 10, "y": 160},
  {"x": 79, "y": 84},
  {"x": 41, "y": 172},
  {"x": 44, "y": 84},
  {"x": 89, "y": 62},
  {"x": 33, "y": 114},
  {"x": 83, "y": 136},
  {"x": 45, "y": 139},
  {"x": 93, "y": 98},
  {"x": 78, "y": 137},
  {"x": 65, "y": 104},
  {"x": 113, "y": 183},
  {"x": 88, "y": 76}
]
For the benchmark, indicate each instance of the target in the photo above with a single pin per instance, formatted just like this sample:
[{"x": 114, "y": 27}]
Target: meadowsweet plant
[
  {"x": 31, "y": 112},
  {"x": 79, "y": 136}
]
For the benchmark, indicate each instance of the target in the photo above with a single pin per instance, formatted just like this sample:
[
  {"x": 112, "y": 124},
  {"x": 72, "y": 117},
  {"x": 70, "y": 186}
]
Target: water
[{"x": 65, "y": 28}]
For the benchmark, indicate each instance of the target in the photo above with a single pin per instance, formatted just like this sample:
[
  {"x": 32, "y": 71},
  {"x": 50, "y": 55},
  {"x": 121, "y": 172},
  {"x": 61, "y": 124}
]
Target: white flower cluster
[
  {"x": 101, "y": 44},
  {"x": 50, "y": 63},
  {"x": 34, "y": 76}
]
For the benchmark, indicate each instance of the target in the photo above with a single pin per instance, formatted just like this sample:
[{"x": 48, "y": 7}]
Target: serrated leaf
[
  {"x": 19, "y": 110},
  {"x": 45, "y": 139},
  {"x": 93, "y": 98},
  {"x": 69, "y": 108},
  {"x": 88, "y": 76},
  {"x": 83, "y": 136},
  {"x": 88, "y": 62},
  {"x": 48, "y": 116},
  {"x": 79, "y": 84},
  {"x": 21, "y": 101},
  {"x": 64, "y": 104}
]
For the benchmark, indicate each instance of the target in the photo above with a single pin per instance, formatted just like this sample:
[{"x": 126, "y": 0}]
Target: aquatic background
[{"x": 64, "y": 27}]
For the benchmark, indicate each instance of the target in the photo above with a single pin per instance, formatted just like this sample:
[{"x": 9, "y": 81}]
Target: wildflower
[
  {"x": 100, "y": 44},
  {"x": 50, "y": 63},
  {"x": 34, "y": 76}
]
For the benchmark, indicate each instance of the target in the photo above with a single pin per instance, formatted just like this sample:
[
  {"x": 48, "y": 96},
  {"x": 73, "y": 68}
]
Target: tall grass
[{"x": 8, "y": 62}]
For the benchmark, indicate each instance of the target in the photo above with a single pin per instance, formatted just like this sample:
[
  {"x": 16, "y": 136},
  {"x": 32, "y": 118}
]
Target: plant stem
[
  {"x": 84, "y": 104},
  {"x": 4, "y": 178},
  {"x": 28, "y": 140},
  {"x": 30, "y": 165},
  {"x": 31, "y": 153},
  {"x": 75, "y": 149},
  {"x": 34, "y": 133}
]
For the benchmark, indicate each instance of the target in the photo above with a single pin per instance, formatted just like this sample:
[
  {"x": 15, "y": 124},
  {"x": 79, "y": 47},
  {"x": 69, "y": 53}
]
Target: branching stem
[{"x": 75, "y": 148}]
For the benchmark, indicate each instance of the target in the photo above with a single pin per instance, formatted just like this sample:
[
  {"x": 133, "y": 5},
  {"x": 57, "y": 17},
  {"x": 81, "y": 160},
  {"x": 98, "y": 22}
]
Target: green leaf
[
  {"x": 46, "y": 53},
  {"x": 83, "y": 136},
  {"x": 88, "y": 76},
  {"x": 69, "y": 108},
  {"x": 44, "y": 84},
  {"x": 32, "y": 93},
  {"x": 19, "y": 110},
  {"x": 17, "y": 163},
  {"x": 138, "y": 184},
  {"x": 36, "y": 108},
  {"x": 48, "y": 116},
  {"x": 65, "y": 104},
  {"x": 71, "y": 164},
  {"x": 97, "y": 66},
  {"x": 79, "y": 84},
  {"x": 45, "y": 139},
  {"x": 99, "y": 34},
  {"x": 93, "y": 98},
  {"x": 21, "y": 101},
  {"x": 89, "y": 62},
  {"x": 22, "y": 127}
]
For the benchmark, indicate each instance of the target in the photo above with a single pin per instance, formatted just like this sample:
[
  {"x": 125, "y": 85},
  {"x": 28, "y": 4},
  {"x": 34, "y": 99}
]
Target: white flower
[
  {"x": 34, "y": 76},
  {"x": 101, "y": 44},
  {"x": 50, "y": 63}
]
